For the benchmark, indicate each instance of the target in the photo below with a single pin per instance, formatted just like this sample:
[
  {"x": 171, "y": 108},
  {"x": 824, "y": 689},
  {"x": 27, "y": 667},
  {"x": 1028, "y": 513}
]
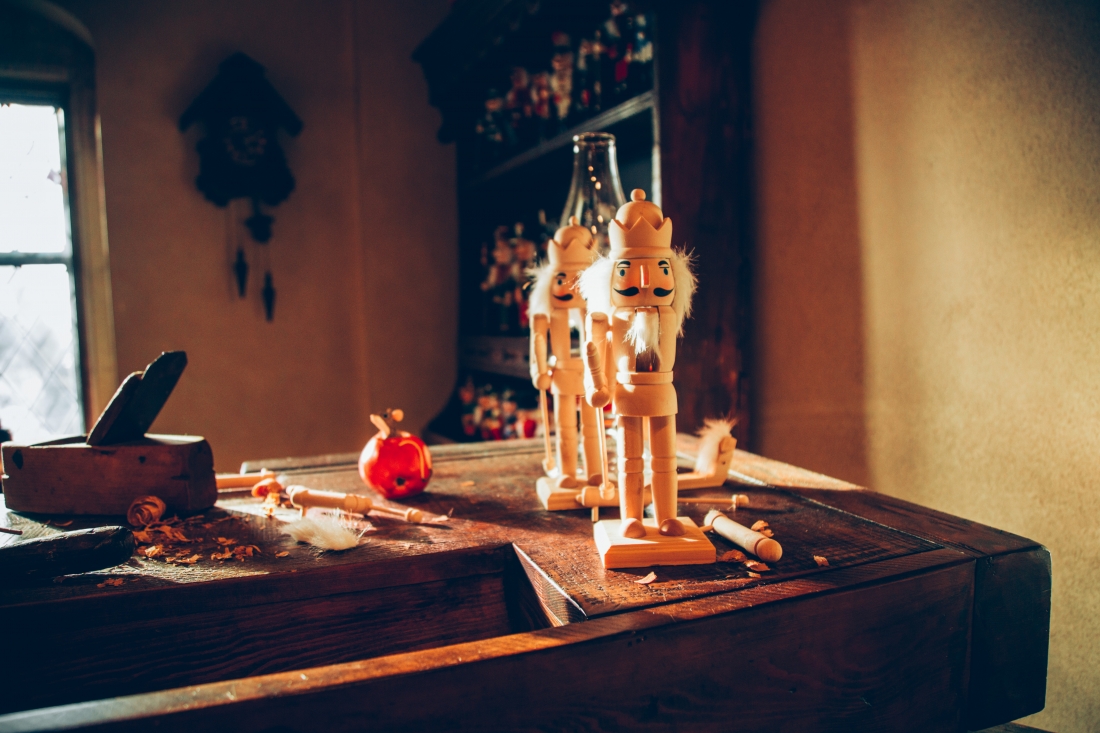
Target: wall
[
  {"x": 366, "y": 242},
  {"x": 976, "y": 140}
]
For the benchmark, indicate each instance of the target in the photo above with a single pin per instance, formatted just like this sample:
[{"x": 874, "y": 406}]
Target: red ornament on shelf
[{"x": 394, "y": 463}]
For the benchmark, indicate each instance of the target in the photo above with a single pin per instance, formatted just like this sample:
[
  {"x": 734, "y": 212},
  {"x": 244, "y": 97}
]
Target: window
[{"x": 40, "y": 383}]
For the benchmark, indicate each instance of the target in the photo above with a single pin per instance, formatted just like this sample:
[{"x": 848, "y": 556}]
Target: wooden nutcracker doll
[
  {"x": 638, "y": 298},
  {"x": 554, "y": 366}
]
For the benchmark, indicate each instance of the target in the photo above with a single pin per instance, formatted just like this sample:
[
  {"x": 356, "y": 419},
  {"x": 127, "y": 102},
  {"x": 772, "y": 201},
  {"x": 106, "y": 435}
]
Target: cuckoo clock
[{"x": 240, "y": 157}]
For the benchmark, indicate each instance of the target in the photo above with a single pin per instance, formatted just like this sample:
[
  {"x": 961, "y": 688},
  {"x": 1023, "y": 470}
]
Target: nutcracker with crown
[
  {"x": 554, "y": 366},
  {"x": 638, "y": 298}
]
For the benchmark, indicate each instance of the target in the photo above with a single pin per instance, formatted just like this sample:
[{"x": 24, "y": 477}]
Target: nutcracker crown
[
  {"x": 572, "y": 247},
  {"x": 640, "y": 229}
]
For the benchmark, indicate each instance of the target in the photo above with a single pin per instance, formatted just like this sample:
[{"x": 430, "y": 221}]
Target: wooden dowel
[
  {"x": 241, "y": 480},
  {"x": 734, "y": 501},
  {"x": 6, "y": 530},
  {"x": 303, "y": 498},
  {"x": 763, "y": 547}
]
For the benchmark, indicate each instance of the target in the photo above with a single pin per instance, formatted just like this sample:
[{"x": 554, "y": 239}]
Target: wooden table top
[{"x": 500, "y": 565}]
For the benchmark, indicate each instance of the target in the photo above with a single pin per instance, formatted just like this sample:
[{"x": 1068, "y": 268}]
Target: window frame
[{"x": 67, "y": 80}]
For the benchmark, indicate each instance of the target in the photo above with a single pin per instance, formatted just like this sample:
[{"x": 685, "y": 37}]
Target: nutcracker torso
[
  {"x": 644, "y": 287},
  {"x": 556, "y": 304}
]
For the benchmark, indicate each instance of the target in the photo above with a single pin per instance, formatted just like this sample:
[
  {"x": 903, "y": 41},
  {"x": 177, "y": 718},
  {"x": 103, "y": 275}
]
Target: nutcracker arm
[
  {"x": 540, "y": 370},
  {"x": 596, "y": 391}
]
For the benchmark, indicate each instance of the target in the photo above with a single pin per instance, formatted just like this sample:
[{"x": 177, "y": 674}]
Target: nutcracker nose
[{"x": 645, "y": 276}]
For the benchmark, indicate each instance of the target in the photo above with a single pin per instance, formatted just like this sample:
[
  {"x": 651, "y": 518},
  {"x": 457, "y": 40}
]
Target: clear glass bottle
[{"x": 596, "y": 192}]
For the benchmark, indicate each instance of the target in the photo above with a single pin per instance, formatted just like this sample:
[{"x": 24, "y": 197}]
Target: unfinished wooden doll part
[
  {"x": 763, "y": 547},
  {"x": 304, "y": 498},
  {"x": 125, "y": 461},
  {"x": 554, "y": 367},
  {"x": 638, "y": 298}
]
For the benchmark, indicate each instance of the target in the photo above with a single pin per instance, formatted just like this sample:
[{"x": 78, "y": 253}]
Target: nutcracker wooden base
[
  {"x": 554, "y": 499},
  {"x": 616, "y": 551}
]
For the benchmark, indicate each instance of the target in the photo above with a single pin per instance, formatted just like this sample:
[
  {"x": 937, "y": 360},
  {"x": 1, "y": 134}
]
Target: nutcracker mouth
[
  {"x": 661, "y": 292},
  {"x": 628, "y": 292},
  {"x": 567, "y": 296}
]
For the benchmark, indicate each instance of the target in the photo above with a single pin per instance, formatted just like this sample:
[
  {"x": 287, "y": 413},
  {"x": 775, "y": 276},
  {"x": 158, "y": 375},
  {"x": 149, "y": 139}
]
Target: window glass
[{"x": 40, "y": 394}]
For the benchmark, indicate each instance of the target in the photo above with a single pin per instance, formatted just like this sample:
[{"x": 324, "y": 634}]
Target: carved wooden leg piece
[
  {"x": 631, "y": 478},
  {"x": 662, "y": 449},
  {"x": 565, "y": 421},
  {"x": 591, "y": 420}
]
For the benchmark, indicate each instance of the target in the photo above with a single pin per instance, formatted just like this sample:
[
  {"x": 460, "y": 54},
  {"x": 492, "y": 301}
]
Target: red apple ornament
[{"x": 394, "y": 463}]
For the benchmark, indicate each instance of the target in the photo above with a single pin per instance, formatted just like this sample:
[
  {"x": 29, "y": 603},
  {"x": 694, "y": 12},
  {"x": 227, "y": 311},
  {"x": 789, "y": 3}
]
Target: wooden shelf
[
  {"x": 506, "y": 355},
  {"x": 635, "y": 105}
]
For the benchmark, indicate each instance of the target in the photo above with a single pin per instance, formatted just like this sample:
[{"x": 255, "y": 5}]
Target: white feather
[
  {"x": 596, "y": 287},
  {"x": 711, "y": 435},
  {"x": 538, "y": 302},
  {"x": 645, "y": 331},
  {"x": 324, "y": 531},
  {"x": 685, "y": 287}
]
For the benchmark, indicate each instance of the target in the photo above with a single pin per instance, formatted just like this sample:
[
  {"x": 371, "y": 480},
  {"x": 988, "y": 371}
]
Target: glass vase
[{"x": 596, "y": 192}]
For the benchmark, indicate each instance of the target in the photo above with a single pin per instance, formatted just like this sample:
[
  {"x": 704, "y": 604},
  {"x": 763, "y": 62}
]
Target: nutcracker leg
[
  {"x": 662, "y": 449},
  {"x": 565, "y": 420},
  {"x": 631, "y": 478},
  {"x": 590, "y": 439}
]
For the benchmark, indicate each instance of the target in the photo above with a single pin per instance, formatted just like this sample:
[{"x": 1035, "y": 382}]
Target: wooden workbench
[{"x": 503, "y": 619}]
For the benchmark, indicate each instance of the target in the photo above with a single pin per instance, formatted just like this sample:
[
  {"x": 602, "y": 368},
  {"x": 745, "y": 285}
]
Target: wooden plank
[
  {"x": 888, "y": 656},
  {"x": 1010, "y": 639}
]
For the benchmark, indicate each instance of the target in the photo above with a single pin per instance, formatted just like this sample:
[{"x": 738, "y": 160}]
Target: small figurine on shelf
[
  {"x": 541, "y": 105},
  {"x": 471, "y": 413},
  {"x": 554, "y": 367},
  {"x": 490, "y": 130},
  {"x": 620, "y": 29},
  {"x": 640, "y": 73},
  {"x": 518, "y": 104},
  {"x": 638, "y": 299},
  {"x": 490, "y": 424},
  {"x": 524, "y": 255},
  {"x": 561, "y": 83},
  {"x": 594, "y": 76},
  {"x": 498, "y": 284}
]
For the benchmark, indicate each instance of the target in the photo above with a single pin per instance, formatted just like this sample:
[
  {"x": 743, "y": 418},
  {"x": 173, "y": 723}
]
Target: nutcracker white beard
[{"x": 645, "y": 331}]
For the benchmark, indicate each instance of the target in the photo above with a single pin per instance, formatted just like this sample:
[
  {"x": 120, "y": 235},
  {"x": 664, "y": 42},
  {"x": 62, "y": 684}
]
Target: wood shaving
[
  {"x": 143, "y": 537},
  {"x": 151, "y": 551},
  {"x": 464, "y": 484},
  {"x": 225, "y": 541},
  {"x": 732, "y": 556},
  {"x": 758, "y": 525},
  {"x": 767, "y": 532},
  {"x": 757, "y": 566},
  {"x": 753, "y": 575},
  {"x": 647, "y": 579},
  {"x": 284, "y": 553},
  {"x": 59, "y": 524},
  {"x": 182, "y": 559},
  {"x": 227, "y": 554},
  {"x": 112, "y": 582},
  {"x": 145, "y": 510},
  {"x": 822, "y": 562},
  {"x": 243, "y": 551}
]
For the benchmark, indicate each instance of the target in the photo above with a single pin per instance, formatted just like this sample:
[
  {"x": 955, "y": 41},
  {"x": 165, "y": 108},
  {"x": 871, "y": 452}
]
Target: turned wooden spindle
[
  {"x": 242, "y": 480},
  {"x": 303, "y": 498},
  {"x": 763, "y": 547}
]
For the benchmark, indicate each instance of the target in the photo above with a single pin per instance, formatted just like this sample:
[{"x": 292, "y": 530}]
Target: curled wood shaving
[
  {"x": 284, "y": 553},
  {"x": 226, "y": 541},
  {"x": 822, "y": 562},
  {"x": 647, "y": 579},
  {"x": 758, "y": 525},
  {"x": 753, "y": 575},
  {"x": 151, "y": 551},
  {"x": 767, "y": 532},
  {"x": 732, "y": 556},
  {"x": 183, "y": 559},
  {"x": 757, "y": 566},
  {"x": 112, "y": 582},
  {"x": 145, "y": 510}
]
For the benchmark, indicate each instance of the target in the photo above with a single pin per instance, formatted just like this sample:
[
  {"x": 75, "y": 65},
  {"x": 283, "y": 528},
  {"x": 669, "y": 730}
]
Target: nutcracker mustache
[
  {"x": 567, "y": 296},
  {"x": 645, "y": 331},
  {"x": 628, "y": 292}
]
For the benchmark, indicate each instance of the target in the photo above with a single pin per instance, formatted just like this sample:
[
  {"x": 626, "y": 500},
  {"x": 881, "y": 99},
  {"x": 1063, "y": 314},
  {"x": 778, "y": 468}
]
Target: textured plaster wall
[
  {"x": 974, "y": 126},
  {"x": 363, "y": 245}
]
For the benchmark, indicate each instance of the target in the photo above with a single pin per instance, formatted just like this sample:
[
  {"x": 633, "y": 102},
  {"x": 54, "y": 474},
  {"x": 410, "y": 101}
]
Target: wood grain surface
[{"x": 522, "y": 590}]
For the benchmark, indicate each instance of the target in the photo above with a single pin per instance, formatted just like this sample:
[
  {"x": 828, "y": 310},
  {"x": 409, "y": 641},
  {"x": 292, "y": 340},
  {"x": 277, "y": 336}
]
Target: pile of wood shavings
[{"x": 169, "y": 540}]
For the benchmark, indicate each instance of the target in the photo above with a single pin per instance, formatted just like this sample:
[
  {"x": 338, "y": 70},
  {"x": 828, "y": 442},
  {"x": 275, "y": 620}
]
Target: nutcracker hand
[
  {"x": 598, "y": 398},
  {"x": 543, "y": 381}
]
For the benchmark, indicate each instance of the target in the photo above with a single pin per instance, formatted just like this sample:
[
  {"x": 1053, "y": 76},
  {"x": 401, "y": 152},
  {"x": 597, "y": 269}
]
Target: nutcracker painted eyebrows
[
  {"x": 638, "y": 299},
  {"x": 554, "y": 366}
]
